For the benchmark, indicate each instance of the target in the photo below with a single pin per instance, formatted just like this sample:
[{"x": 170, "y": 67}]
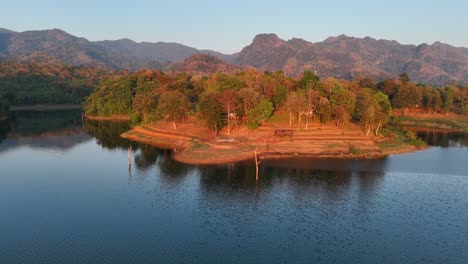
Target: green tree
[
  {"x": 144, "y": 104},
  {"x": 437, "y": 101},
  {"x": 366, "y": 109},
  {"x": 174, "y": 105},
  {"x": 384, "y": 110},
  {"x": 343, "y": 103},
  {"x": 448, "y": 98},
  {"x": 229, "y": 100},
  {"x": 210, "y": 111},
  {"x": 259, "y": 113},
  {"x": 404, "y": 78},
  {"x": 407, "y": 96},
  {"x": 248, "y": 99},
  {"x": 324, "y": 111},
  {"x": 280, "y": 96}
]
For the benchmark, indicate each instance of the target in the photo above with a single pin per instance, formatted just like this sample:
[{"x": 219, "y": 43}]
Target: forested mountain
[
  {"x": 28, "y": 83},
  {"x": 339, "y": 57},
  {"x": 56, "y": 46},
  {"x": 203, "y": 64}
]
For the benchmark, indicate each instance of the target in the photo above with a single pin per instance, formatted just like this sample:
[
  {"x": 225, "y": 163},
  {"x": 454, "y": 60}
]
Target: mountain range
[{"x": 339, "y": 57}]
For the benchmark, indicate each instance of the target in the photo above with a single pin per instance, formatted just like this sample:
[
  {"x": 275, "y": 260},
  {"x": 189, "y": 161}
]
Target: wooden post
[{"x": 257, "y": 162}]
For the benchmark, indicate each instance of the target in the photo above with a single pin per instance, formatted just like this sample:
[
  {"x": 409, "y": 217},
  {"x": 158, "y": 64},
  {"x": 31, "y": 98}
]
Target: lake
[{"x": 67, "y": 196}]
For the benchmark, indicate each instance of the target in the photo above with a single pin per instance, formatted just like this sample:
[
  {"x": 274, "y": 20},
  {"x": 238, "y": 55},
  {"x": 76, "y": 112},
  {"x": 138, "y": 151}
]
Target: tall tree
[
  {"x": 407, "y": 96},
  {"x": 259, "y": 113},
  {"x": 210, "y": 111},
  {"x": 229, "y": 101},
  {"x": 324, "y": 111},
  {"x": 174, "y": 105},
  {"x": 343, "y": 103}
]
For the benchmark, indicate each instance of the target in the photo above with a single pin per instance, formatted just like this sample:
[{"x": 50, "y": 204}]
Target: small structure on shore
[{"x": 284, "y": 133}]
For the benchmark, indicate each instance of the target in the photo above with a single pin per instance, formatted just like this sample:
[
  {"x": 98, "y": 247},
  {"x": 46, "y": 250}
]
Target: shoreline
[
  {"x": 189, "y": 148},
  {"x": 45, "y": 107},
  {"x": 109, "y": 118}
]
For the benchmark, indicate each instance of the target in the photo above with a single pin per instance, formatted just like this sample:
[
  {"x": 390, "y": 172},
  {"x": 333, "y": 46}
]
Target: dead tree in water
[
  {"x": 129, "y": 157},
  {"x": 257, "y": 162}
]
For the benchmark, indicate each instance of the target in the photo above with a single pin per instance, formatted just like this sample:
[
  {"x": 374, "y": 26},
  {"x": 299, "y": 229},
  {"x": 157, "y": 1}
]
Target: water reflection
[
  {"x": 304, "y": 210},
  {"x": 5, "y": 127},
  {"x": 60, "y": 130},
  {"x": 107, "y": 134},
  {"x": 443, "y": 138}
]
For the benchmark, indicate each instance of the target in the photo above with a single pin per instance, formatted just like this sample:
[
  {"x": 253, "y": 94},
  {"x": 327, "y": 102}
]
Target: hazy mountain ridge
[
  {"x": 349, "y": 57},
  {"x": 340, "y": 57}
]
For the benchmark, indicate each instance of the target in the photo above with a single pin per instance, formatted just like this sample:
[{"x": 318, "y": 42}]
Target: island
[{"x": 222, "y": 118}]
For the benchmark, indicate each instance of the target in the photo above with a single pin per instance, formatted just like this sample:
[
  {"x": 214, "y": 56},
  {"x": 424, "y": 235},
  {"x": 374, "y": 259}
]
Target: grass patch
[
  {"x": 436, "y": 122},
  {"x": 279, "y": 118},
  {"x": 396, "y": 139},
  {"x": 354, "y": 150},
  {"x": 198, "y": 145}
]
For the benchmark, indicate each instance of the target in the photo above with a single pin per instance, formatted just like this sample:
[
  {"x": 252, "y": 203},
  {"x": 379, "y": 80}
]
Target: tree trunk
[
  {"x": 298, "y": 119},
  {"x": 228, "y": 110},
  {"x": 377, "y": 129},
  {"x": 290, "y": 118},
  {"x": 174, "y": 124}
]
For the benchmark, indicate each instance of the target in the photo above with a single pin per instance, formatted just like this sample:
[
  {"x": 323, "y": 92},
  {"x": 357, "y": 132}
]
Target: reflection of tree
[
  {"x": 444, "y": 139},
  {"x": 39, "y": 122},
  {"x": 108, "y": 134},
  {"x": 43, "y": 129},
  {"x": 5, "y": 127},
  {"x": 305, "y": 179},
  {"x": 171, "y": 169},
  {"x": 233, "y": 176}
]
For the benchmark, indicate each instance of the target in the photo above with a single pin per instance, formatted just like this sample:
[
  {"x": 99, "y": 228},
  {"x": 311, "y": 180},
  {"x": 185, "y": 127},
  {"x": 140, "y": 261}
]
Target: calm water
[{"x": 66, "y": 196}]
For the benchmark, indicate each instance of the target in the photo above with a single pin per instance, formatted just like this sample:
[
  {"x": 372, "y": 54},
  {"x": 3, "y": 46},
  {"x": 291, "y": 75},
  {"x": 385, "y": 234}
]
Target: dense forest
[
  {"x": 33, "y": 83},
  {"x": 248, "y": 98},
  {"x": 235, "y": 100}
]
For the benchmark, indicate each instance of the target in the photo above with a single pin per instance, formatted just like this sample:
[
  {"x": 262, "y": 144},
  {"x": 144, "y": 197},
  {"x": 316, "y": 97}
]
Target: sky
[{"x": 228, "y": 26}]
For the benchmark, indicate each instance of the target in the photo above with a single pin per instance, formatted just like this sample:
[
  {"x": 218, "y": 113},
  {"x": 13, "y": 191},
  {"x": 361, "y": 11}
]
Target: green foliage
[
  {"x": 404, "y": 78},
  {"x": 309, "y": 80},
  {"x": 324, "y": 111},
  {"x": 354, "y": 150},
  {"x": 114, "y": 97},
  {"x": 174, "y": 105},
  {"x": 343, "y": 103},
  {"x": 448, "y": 98},
  {"x": 280, "y": 96},
  {"x": 32, "y": 83},
  {"x": 211, "y": 111},
  {"x": 373, "y": 110},
  {"x": 407, "y": 96},
  {"x": 259, "y": 113}
]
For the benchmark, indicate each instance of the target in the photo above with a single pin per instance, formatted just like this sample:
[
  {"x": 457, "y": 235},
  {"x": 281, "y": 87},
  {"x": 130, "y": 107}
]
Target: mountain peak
[
  {"x": 268, "y": 39},
  {"x": 202, "y": 64},
  {"x": 4, "y": 31}
]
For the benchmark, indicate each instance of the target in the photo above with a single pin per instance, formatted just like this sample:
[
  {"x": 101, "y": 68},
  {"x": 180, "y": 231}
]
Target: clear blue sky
[{"x": 227, "y": 26}]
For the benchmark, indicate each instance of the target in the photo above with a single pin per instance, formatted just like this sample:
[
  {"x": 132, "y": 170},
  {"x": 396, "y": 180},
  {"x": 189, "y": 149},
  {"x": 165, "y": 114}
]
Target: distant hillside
[
  {"x": 349, "y": 57},
  {"x": 56, "y": 46},
  {"x": 340, "y": 57},
  {"x": 203, "y": 64}
]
